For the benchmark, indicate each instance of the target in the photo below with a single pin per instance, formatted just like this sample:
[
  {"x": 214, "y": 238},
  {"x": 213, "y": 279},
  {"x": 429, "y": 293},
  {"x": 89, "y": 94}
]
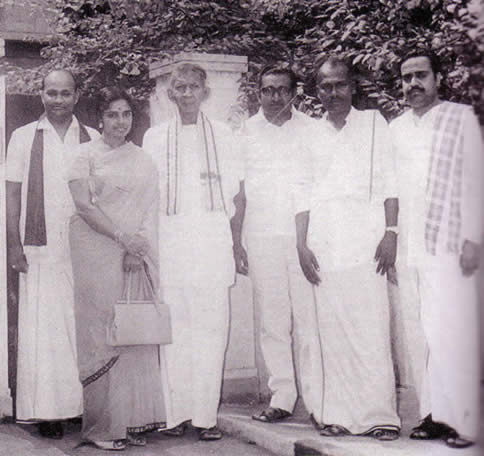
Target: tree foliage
[{"x": 116, "y": 40}]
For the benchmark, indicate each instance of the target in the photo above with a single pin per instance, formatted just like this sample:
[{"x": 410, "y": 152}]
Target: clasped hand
[{"x": 135, "y": 244}]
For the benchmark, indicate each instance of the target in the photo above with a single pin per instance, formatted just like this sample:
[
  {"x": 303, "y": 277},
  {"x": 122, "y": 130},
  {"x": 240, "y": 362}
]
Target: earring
[{"x": 101, "y": 125}]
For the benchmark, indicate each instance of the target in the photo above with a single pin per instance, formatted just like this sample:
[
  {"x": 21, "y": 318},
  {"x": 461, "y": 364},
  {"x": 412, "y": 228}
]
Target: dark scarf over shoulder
[{"x": 35, "y": 230}]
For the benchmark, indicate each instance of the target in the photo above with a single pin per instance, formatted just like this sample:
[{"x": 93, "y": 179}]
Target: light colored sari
[{"x": 122, "y": 385}]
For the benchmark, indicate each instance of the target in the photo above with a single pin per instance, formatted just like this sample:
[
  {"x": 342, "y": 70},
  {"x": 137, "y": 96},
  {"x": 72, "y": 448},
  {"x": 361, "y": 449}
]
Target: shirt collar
[
  {"x": 44, "y": 124},
  {"x": 348, "y": 120},
  {"x": 296, "y": 116},
  {"x": 428, "y": 116}
]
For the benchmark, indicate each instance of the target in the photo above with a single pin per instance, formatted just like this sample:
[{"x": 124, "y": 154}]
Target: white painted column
[
  {"x": 223, "y": 78},
  {"x": 5, "y": 397}
]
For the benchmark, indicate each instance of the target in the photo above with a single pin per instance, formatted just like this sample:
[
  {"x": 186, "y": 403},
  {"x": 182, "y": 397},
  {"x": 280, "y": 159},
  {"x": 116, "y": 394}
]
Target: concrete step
[{"x": 296, "y": 436}]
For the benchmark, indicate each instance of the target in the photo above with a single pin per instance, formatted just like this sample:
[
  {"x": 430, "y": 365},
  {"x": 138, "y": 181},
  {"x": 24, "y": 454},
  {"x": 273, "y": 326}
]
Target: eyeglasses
[
  {"x": 271, "y": 91},
  {"x": 338, "y": 86}
]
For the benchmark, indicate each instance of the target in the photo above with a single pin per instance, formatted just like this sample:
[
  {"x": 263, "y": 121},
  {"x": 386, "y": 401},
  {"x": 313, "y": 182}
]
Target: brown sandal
[
  {"x": 333, "y": 430},
  {"x": 110, "y": 445},
  {"x": 136, "y": 440},
  {"x": 207, "y": 434},
  {"x": 384, "y": 434},
  {"x": 272, "y": 415},
  {"x": 176, "y": 431},
  {"x": 455, "y": 441}
]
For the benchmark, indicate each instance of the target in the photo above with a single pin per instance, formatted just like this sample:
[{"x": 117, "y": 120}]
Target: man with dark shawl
[{"x": 38, "y": 209}]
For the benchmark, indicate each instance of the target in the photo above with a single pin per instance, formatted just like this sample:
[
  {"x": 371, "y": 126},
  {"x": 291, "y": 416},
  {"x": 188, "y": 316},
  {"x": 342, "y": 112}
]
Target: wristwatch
[{"x": 394, "y": 229}]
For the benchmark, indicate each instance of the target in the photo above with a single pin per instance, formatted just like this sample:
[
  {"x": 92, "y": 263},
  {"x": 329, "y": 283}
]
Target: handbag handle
[{"x": 128, "y": 279}]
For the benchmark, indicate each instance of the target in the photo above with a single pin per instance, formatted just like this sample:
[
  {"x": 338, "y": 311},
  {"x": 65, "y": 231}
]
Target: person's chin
[
  {"x": 59, "y": 114},
  {"x": 274, "y": 111}
]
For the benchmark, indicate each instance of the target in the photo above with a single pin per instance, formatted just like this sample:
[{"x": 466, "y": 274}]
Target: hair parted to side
[
  {"x": 334, "y": 61},
  {"x": 434, "y": 59},
  {"x": 60, "y": 70},
  {"x": 278, "y": 69},
  {"x": 185, "y": 68}
]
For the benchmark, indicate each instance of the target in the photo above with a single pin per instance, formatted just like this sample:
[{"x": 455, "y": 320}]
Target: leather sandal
[
  {"x": 51, "y": 430},
  {"x": 176, "y": 431},
  {"x": 384, "y": 434},
  {"x": 110, "y": 445},
  {"x": 207, "y": 434},
  {"x": 136, "y": 440},
  {"x": 333, "y": 430},
  {"x": 272, "y": 415},
  {"x": 455, "y": 441},
  {"x": 430, "y": 430}
]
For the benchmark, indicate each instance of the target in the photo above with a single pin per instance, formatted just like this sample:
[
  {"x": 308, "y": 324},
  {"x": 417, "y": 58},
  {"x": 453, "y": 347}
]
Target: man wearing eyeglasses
[
  {"x": 346, "y": 233},
  {"x": 266, "y": 211}
]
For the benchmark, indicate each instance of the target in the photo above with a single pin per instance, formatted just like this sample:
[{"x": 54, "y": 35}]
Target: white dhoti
[
  {"x": 450, "y": 320},
  {"x": 194, "y": 361},
  {"x": 284, "y": 299},
  {"x": 358, "y": 383},
  {"x": 196, "y": 261},
  {"x": 48, "y": 386},
  {"x": 352, "y": 178},
  {"x": 430, "y": 245}
]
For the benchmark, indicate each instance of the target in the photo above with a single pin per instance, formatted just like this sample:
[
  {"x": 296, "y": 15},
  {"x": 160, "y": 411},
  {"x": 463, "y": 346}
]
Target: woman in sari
[{"x": 114, "y": 185}]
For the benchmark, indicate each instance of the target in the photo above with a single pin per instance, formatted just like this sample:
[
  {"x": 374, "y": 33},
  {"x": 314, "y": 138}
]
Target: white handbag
[{"x": 139, "y": 317}]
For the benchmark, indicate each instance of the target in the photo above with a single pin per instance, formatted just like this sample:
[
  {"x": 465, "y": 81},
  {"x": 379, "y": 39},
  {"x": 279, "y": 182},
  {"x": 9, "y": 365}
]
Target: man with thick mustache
[
  {"x": 265, "y": 208},
  {"x": 439, "y": 158},
  {"x": 346, "y": 234},
  {"x": 39, "y": 207}
]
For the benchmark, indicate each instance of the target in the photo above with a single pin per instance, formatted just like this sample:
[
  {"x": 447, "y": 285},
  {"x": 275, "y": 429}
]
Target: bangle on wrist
[
  {"x": 118, "y": 234},
  {"x": 393, "y": 229}
]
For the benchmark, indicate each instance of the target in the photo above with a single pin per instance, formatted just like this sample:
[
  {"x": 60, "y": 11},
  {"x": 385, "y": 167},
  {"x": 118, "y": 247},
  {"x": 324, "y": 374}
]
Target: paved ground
[
  {"x": 244, "y": 437},
  {"x": 23, "y": 440},
  {"x": 297, "y": 437}
]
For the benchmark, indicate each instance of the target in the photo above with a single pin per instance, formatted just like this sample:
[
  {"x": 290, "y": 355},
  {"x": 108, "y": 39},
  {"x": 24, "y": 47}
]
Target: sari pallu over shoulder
[{"x": 125, "y": 187}]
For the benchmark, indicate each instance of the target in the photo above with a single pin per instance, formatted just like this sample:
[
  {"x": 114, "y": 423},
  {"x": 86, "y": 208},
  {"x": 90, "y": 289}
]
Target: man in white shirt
[
  {"x": 439, "y": 158},
  {"x": 199, "y": 177},
  {"x": 39, "y": 207},
  {"x": 346, "y": 228},
  {"x": 265, "y": 211}
]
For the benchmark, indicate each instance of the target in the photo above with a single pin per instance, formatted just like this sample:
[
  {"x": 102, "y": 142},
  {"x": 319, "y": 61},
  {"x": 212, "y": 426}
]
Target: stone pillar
[
  {"x": 223, "y": 78},
  {"x": 5, "y": 397}
]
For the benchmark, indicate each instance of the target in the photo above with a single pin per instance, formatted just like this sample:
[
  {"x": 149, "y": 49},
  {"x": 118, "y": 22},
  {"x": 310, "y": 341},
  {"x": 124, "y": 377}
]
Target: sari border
[
  {"x": 99, "y": 373},
  {"x": 147, "y": 427}
]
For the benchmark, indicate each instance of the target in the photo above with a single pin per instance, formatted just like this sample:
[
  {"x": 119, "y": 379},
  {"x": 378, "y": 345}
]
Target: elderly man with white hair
[{"x": 199, "y": 177}]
